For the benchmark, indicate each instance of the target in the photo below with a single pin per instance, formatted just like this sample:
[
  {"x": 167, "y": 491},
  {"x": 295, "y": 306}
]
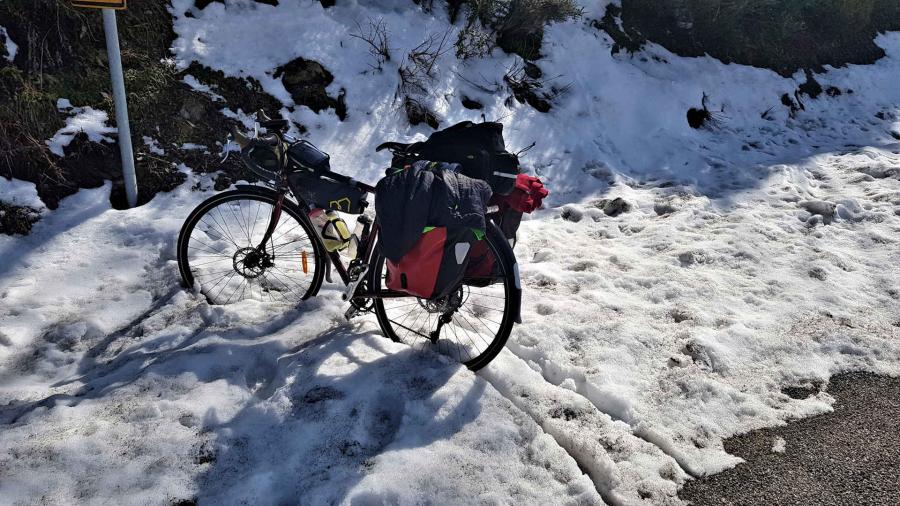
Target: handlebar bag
[{"x": 263, "y": 160}]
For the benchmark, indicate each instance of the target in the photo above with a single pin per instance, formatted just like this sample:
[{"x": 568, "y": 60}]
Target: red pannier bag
[
  {"x": 435, "y": 265},
  {"x": 481, "y": 264}
]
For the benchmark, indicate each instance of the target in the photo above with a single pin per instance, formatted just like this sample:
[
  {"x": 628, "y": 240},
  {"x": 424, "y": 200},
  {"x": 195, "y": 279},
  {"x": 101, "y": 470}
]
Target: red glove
[{"x": 527, "y": 195}]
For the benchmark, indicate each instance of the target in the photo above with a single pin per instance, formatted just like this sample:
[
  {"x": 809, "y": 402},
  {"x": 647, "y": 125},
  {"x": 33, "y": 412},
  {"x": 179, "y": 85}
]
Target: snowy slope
[{"x": 758, "y": 254}]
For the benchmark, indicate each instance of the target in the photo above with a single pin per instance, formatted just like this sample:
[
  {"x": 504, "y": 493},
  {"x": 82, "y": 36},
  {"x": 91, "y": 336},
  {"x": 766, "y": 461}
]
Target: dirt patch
[
  {"x": 306, "y": 81},
  {"x": 17, "y": 220},
  {"x": 62, "y": 54}
]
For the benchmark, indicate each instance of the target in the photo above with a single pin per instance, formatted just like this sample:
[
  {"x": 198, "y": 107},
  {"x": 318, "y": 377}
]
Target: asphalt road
[{"x": 848, "y": 457}]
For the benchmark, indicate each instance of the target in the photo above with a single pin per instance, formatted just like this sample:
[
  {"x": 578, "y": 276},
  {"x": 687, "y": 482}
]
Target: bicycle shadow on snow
[
  {"x": 319, "y": 426},
  {"x": 102, "y": 371},
  {"x": 318, "y": 413}
]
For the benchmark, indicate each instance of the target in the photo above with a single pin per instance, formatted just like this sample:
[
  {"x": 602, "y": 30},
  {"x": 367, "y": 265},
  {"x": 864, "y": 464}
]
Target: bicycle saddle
[{"x": 393, "y": 146}]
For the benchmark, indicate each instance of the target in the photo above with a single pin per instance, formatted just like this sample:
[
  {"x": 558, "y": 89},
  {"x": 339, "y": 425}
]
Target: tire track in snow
[
  {"x": 617, "y": 409},
  {"x": 624, "y": 469}
]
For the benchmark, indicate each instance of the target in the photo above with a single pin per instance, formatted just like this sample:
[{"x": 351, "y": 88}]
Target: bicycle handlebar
[{"x": 277, "y": 137}]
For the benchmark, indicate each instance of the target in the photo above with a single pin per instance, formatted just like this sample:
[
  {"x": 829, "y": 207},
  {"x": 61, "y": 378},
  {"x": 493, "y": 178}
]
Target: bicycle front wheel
[
  {"x": 219, "y": 254},
  {"x": 479, "y": 315}
]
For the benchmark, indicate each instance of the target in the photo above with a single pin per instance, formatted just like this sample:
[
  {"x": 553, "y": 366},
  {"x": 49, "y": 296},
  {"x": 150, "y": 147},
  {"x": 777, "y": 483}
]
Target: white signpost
[{"x": 118, "y": 85}]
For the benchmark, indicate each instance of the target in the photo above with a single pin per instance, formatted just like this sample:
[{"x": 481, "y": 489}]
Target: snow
[
  {"x": 778, "y": 445},
  {"x": 85, "y": 120},
  {"x": 231, "y": 402},
  {"x": 190, "y": 146},
  {"x": 153, "y": 146},
  {"x": 19, "y": 193},
  {"x": 202, "y": 88},
  {"x": 11, "y": 47},
  {"x": 757, "y": 254}
]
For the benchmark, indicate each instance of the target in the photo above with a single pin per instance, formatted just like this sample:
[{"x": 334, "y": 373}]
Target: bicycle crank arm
[{"x": 351, "y": 288}]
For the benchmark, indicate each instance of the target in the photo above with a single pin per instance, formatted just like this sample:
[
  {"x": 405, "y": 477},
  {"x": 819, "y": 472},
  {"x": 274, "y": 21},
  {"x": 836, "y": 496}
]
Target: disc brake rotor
[{"x": 250, "y": 263}]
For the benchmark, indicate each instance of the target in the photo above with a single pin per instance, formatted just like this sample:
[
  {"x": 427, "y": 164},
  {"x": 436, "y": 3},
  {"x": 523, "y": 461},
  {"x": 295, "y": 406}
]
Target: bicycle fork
[{"x": 273, "y": 222}]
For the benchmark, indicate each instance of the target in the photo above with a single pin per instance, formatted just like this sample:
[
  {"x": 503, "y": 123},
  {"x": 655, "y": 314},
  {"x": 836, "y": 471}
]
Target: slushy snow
[{"x": 759, "y": 253}]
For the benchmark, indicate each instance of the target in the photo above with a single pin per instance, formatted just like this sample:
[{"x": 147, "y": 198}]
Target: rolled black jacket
[{"x": 426, "y": 194}]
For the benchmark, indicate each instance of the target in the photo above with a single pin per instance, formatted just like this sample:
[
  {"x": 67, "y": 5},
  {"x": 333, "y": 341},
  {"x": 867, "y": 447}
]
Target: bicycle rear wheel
[
  {"x": 218, "y": 255},
  {"x": 482, "y": 311}
]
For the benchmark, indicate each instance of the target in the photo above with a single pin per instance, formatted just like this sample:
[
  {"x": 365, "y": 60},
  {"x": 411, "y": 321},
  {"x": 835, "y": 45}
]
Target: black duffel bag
[{"x": 478, "y": 148}]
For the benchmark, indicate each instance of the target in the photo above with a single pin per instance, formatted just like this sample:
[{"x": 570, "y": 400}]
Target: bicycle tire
[{"x": 263, "y": 197}]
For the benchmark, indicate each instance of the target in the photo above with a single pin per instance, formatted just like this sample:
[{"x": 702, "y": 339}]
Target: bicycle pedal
[{"x": 352, "y": 313}]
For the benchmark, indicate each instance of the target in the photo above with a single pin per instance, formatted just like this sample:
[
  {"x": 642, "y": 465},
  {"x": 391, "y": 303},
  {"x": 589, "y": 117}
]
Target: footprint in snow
[
  {"x": 544, "y": 310},
  {"x": 314, "y": 403},
  {"x": 582, "y": 266}
]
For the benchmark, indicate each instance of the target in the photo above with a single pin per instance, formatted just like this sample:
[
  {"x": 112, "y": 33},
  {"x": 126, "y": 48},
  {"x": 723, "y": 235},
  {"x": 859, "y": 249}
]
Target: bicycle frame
[
  {"x": 334, "y": 258},
  {"x": 364, "y": 256}
]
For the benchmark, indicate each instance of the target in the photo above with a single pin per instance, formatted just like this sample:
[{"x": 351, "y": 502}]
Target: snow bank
[
  {"x": 20, "y": 193},
  {"x": 622, "y": 116}
]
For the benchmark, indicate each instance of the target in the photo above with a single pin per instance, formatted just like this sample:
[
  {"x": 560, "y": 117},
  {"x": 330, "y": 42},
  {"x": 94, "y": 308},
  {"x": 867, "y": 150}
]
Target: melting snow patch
[
  {"x": 11, "y": 47},
  {"x": 202, "y": 88},
  {"x": 153, "y": 146},
  {"x": 85, "y": 119},
  {"x": 778, "y": 445}
]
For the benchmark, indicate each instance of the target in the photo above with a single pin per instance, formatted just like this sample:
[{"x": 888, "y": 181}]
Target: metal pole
[{"x": 118, "y": 85}]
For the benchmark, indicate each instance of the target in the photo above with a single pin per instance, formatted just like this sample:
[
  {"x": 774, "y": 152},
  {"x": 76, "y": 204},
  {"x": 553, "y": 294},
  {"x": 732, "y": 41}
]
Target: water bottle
[
  {"x": 331, "y": 228},
  {"x": 361, "y": 229}
]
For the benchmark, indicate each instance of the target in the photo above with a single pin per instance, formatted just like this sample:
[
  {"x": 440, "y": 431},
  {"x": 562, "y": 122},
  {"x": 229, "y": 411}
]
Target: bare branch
[
  {"x": 376, "y": 36},
  {"x": 418, "y": 68}
]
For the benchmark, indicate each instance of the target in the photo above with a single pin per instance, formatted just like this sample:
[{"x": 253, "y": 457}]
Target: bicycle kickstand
[{"x": 443, "y": 320}]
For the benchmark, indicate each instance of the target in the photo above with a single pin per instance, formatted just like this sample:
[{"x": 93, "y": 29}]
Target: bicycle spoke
[
  {"x": 227, "y": 276},
  {"x": 211, "y": 262},
  {"x": 218, "y": 227},
  {"x": 224, "y": 228},
  {"x": 255, "y": 218},
  {"x": 226, "y": 221}
]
